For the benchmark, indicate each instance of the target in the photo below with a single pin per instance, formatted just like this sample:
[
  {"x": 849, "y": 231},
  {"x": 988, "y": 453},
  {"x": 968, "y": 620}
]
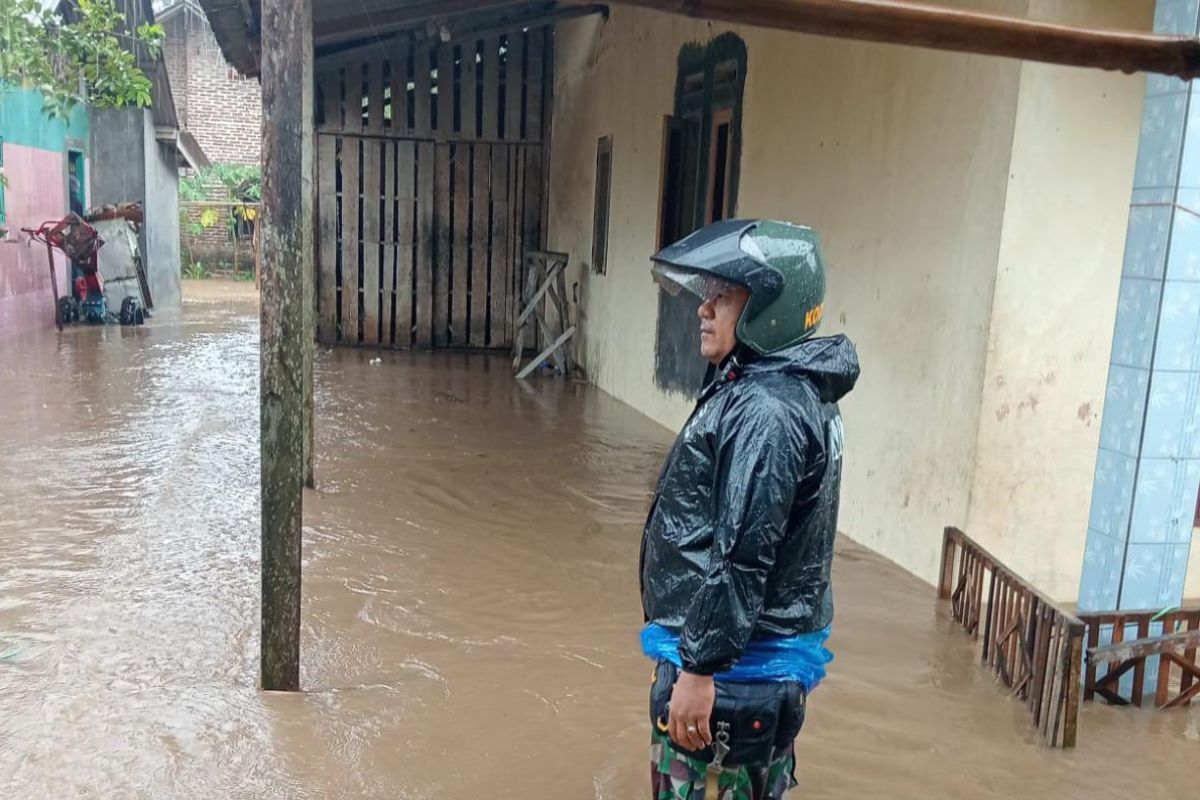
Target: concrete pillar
[{"x": 1148, "y": 467}]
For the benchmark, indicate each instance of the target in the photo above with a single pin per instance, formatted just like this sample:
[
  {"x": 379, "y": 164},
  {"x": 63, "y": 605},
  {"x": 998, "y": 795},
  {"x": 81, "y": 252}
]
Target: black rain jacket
[{"x": 739, "y": 539}]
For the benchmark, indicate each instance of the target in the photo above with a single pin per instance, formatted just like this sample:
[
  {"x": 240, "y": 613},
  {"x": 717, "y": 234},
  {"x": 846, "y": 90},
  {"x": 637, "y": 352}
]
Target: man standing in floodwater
[{"x": 738, "y": 546}]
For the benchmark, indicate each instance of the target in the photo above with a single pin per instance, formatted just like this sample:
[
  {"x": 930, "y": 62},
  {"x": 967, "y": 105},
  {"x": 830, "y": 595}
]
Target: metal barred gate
[{"x": 428, "y": 196}]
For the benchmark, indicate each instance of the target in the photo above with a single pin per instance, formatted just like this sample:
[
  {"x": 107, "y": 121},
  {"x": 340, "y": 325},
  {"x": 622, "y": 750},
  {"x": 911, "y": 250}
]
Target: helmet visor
[{"x": 677, "y": 279}]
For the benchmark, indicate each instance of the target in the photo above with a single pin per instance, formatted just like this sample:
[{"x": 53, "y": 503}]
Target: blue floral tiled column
[{"x": 1148, "y": 467}]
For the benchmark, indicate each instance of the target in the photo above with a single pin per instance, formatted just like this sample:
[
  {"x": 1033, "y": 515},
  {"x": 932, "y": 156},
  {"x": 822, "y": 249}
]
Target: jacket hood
[{"x": 830, "y": 363}]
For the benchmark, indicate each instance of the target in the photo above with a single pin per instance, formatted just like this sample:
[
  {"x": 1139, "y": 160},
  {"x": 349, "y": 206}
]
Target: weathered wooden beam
[
  {"x": 1142, "y": 648},
  {"x": 541, "y": 291},
  {"x": 541, "y": 357},
  {"x": 940, "y": 28},
  {"x": 286, "y": 333},
  {"x": 366, "y": 20},
  {"x": 465, "y": 28}
]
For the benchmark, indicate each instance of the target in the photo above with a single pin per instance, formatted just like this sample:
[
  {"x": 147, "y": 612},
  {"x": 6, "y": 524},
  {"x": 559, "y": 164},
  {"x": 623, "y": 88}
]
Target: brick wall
[
  {"x": 215, "y": 104},
  {"x": 214, "y": 247}
]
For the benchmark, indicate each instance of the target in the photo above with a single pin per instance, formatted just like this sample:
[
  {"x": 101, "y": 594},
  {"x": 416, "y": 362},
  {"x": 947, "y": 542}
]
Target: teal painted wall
[{"x": 23, "y": 123}]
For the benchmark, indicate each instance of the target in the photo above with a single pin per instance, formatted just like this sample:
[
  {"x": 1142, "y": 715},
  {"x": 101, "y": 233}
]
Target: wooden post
[{"x": 287, "y": 92}]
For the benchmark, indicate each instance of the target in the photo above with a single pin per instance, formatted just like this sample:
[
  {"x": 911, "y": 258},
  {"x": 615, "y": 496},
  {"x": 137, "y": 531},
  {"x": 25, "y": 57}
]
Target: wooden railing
[
  {"x": 1034, "y": 647},
  {"x": 1171, "y": 638}
]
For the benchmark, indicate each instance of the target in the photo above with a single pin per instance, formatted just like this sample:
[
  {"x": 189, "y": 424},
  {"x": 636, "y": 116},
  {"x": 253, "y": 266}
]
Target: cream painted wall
[
  {"x": 1054, "y": 305},
  {"x": 900, "y": 158}
]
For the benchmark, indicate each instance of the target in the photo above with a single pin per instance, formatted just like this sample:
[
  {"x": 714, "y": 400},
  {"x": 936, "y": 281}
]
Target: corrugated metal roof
[{"x": 236, "y": 23}]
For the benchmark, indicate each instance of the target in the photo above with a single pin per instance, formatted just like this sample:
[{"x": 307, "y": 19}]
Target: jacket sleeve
[{"x": 760, "y": 462}]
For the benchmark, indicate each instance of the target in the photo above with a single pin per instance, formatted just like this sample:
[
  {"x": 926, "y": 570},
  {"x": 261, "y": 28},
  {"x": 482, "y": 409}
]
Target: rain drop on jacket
[{"x": 739, "y": 539}]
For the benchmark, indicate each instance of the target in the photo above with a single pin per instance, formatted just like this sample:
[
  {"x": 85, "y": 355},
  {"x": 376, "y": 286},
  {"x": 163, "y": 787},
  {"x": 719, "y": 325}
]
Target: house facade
[
  {"x": 987, "y": 248},
  {"x": 38, "y": 156},
  {"x": 217, "y": 105}
]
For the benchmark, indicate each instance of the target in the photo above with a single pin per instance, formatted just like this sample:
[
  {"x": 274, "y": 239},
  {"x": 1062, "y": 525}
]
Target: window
[
  {"x": 243, "y": 227},
  {"x": 718, "y": 165},
  {"x": 698, "y": 186},
  {"x": 76, "y": 182},
  {"x": 681, "y": 141},
  {"x": 603, "y": 194}
]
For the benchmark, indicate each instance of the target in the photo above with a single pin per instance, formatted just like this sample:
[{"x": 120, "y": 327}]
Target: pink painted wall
[{"x": 36, "y": 193}]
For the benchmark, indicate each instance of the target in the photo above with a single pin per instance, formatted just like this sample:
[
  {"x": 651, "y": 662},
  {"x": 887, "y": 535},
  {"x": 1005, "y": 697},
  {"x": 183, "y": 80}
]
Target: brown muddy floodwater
[{"x": 470, "y": 612}]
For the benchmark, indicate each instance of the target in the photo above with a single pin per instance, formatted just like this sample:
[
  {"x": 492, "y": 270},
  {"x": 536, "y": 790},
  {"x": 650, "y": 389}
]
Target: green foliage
[
  {"x": 195, "y": 271},
  {"x": 41, "y": 50},
  {"x": 241, "y": 182},
  {"x": 240, "y": 185},
  {"x": 191, "y": 188}
]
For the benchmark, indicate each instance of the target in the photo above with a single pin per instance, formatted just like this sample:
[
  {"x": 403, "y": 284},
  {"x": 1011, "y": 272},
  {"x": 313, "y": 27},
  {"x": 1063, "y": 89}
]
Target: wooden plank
[
  {"x": 1189, "y": 655},
  {"x": 370, "y": 236},
  {"x": 1182, "y": 699},
  {"x": 406, "y": 154},
  {"x": 998, "y": 624},
  {"x": 351, "y": 264},
  {"x": 516, "y": 233},
  {"x": 387, "y": 316},
  {"x": 352, "y": 121},
  {"x": 470, "y": 77},
  {"x": 990, "y": 618},
  {"x": 425, "y": 235},
  {"x": 974, "y": 596},
  {"x": 533, "y": 199},
  {"x": 946, "y": 570},
  {"x": 1056, "y": 696},
  {"x": 1139, "y": 672},
  {"x": 541, "y": 357},
  {"x": 422, "y": 93},
  {"x": 331, "y": 99},
  {"x": 441, "y": 267},
  {"x": 491, "y": 88},
  {"x": 500, "y": 277},
  {"x": 1043, "y": 654},
  {"x": 1074, "y": 668},
  {"x": 546, "y": 134},
  {"x": 1017, "y": 660},
  {"x": 526, "y": 294},
  {"x": 1093, "y": 640},
  {"x": 480, "y": 241},
  {"x": 1144, "y": 647},
  {"x": 375, "y": 96},
  {"x": 399, "y": 86},
  {"x": 565, "y": 315},
  {"x": 553, "y": 268},
  {"x": 327, "y": 232},
  {"x": 1051, "y": 677},
  {"x": 460, "y": 256},
  {"x": 548, "y": 335},
  {"x": 445, "y": 92},
  {"x": 514, "y": 86},
  {"x": 535, "y": 45}
]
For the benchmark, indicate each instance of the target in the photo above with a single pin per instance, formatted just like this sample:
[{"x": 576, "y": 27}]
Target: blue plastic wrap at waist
[{"x": 800, "y": 658}]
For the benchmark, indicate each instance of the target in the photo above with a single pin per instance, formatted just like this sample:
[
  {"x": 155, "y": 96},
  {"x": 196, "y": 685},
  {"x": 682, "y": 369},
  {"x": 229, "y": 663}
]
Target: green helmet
[{"x": 780, "y": 263}]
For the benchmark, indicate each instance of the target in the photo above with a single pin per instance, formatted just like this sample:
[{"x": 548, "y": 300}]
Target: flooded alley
[{"x": 470, "y": 611}]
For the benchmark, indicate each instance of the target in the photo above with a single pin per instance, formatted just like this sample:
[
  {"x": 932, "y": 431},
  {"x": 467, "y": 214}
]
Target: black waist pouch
[{"x": 762, "y": 719}]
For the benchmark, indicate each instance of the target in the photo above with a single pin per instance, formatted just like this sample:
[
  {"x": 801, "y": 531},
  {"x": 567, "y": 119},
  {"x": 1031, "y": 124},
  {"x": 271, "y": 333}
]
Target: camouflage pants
[{"x": 678, "y": 776}]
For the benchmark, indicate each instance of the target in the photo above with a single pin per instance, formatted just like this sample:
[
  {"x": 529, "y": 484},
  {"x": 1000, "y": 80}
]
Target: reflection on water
[{"x": 470, "y": 611}]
